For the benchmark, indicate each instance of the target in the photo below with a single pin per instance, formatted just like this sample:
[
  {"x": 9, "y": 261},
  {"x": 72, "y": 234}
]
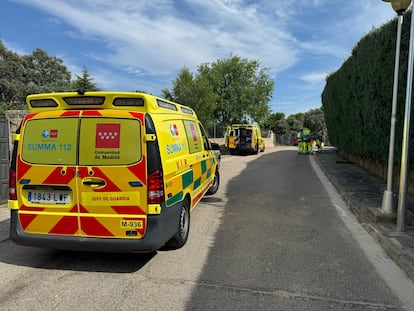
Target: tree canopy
[
  {"x": 195, "y": 92},
  {"x": 231, "y": 90},
  {"x": 314, "y": 120},
  {"x": 287, "y": 128},
  {"x": 27, "y": 74},
  {"x": 21, "y": 75}
]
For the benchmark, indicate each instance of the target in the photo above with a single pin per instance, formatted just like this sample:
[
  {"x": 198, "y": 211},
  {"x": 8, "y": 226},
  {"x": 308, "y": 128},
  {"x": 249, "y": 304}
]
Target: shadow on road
[
  {"x": 33, "y": 257},
  {"x": 13, "y": 254}
]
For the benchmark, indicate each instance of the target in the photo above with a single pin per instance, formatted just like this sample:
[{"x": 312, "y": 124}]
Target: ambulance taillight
[
  {"x": 12, "y": 185},
  {"x": 155, "y": 188}
]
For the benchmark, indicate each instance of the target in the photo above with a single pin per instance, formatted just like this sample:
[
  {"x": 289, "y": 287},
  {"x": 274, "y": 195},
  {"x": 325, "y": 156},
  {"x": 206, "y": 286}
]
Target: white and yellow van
[
  {"x": 244, "y": 138},
  {"x": 108, "y": 171}
]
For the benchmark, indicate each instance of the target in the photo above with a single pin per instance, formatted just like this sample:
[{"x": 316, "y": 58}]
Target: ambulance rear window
[
  {"x": 50, "y": 141},
  {"x": 109, "y": 141}
]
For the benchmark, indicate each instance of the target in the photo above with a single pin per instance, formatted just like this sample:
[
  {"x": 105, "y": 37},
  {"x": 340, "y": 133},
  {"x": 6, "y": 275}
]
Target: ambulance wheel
[
  {"x": 183, "y": 228},
  {"x": 216, "y": 182},
  {"x": 256, "y": 149}
]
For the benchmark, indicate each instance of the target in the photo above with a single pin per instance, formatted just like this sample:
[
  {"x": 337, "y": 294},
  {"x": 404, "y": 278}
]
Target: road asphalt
[{"x": 362, "y": 191}]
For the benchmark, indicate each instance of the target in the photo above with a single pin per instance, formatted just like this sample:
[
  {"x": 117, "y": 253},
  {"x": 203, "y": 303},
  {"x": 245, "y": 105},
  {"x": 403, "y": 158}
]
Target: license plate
[
  {"x": 47, "y": 197},
  {"x": 131, "y": 224}
]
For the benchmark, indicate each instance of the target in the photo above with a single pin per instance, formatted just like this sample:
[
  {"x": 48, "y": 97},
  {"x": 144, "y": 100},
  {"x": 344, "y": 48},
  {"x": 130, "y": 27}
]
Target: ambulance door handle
[{"x": 94, "y": 182}]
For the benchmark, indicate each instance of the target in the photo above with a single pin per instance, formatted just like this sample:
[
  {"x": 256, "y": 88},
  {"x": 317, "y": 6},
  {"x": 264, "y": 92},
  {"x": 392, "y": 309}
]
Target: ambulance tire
[
  {"x": 216, "y": 183},
  {"x": 183, "y": 228}
]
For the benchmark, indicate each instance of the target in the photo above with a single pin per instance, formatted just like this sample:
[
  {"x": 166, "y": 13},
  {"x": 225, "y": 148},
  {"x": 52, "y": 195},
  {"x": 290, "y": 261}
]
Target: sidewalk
[{"x": 363, "y": 191}]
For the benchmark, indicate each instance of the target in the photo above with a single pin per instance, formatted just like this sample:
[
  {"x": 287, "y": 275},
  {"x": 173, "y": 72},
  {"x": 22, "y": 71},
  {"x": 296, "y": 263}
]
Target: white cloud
[
  {"x": 314, "y": 77},
  {"x": 323, "y": 47},
  {"x": 166, "y": 43}
]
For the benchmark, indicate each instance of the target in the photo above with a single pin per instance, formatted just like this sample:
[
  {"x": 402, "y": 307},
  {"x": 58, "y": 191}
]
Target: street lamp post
[
  {"x": 399, "y": 6},
  {"x": 402, "y": 198}
]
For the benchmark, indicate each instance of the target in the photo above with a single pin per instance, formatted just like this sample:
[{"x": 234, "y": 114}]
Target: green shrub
[{"x": 357, "y": 98}]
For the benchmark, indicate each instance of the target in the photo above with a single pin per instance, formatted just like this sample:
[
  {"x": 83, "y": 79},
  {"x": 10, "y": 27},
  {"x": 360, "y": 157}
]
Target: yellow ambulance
[
  {"x": 108, "y": 171},
  {"x": 244, "y": 138}
]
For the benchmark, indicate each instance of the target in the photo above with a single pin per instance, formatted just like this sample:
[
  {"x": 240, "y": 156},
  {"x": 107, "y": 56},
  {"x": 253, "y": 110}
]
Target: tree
[
  {"x": 27, "y": 74},
  {"x": 295, "y": 121},
  {"x": 281, "y": 127},
  {"x": 232, "y": 90},
  {"x": 314, "y": 120},
  {"x": 11, "y": 74},
  {"x": 84, "y": 82},
  {"x": 194, "y": 92},
  {"x": 244, "y": 89},
  {"x": 44, "y": 73},
  {"x": 270, "y": 122}
]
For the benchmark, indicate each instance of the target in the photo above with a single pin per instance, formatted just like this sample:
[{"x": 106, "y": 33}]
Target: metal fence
[{"x": 284, "y": 139}]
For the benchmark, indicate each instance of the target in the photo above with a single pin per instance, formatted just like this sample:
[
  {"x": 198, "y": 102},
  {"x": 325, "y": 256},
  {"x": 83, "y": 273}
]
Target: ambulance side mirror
[{"x": 214, "y": 146}]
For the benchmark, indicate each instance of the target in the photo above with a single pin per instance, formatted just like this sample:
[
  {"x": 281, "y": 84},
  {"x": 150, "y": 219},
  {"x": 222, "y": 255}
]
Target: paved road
[
  {"x": 275, "y": 237},
  {"x": 282, "y": 245}
]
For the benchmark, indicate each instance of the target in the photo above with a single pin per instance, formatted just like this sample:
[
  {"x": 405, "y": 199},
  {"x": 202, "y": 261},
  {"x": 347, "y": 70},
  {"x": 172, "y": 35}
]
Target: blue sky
[{"x": 129, "y": 45}]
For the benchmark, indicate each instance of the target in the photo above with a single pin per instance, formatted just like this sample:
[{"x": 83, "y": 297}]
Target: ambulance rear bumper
[{"x": 159, "y": 231}]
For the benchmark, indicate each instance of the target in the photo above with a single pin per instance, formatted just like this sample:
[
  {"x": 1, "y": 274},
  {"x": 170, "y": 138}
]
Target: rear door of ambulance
[
  {"x": 83, "y": 173},
  {"x": 233, "y": 138}
]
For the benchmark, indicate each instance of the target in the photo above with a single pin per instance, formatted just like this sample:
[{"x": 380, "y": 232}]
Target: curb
[{"x": 393, "y": 249}]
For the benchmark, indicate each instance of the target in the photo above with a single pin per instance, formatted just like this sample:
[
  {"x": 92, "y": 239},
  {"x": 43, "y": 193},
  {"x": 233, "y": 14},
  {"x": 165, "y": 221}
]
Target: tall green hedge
[{"x": 357, "y": 98}]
